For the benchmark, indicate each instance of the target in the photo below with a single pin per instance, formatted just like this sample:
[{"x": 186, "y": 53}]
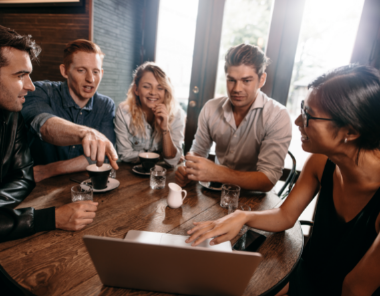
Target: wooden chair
[{"x": 306, "y": 218}]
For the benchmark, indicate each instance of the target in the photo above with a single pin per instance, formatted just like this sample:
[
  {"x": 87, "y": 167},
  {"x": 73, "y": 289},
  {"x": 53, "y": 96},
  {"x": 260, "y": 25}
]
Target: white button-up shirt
[{"x": 260, "y": 143}]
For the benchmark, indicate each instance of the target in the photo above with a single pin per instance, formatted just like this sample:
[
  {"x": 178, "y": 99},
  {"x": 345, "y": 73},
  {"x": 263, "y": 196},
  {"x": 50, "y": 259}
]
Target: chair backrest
[{"x": 290, "y": 180}]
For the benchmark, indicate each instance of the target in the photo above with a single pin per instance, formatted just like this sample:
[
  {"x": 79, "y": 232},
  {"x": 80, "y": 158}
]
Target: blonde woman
[{"x": 150, "y": 119}]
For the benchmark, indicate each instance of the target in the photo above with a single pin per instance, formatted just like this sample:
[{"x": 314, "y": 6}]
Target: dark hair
[
  {"x": 351, "y": 96},
  {"x": 10, "y": 38},
  {"x": 79, "y": 45},
  {"x": 249, "y": 55}
]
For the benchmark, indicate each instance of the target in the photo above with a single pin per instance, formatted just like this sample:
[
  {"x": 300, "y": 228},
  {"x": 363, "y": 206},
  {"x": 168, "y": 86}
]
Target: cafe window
[
  {"x": 244, "y": 21},
  {"x": 175, "y": 44},
  {"x": 326, "y": 41}
]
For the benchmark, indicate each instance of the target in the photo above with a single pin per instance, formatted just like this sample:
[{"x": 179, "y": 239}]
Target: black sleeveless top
[{"x": 335, "y": 247}]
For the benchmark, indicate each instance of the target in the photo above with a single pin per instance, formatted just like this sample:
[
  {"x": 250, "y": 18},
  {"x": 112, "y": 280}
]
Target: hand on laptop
[
  {"x": 223, "y": 229},
  {"x": 96, "y": 145},
  {"x": 76, "y": 215}
]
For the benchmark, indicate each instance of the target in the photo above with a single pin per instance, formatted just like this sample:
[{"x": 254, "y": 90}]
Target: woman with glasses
[{"x": 340, "y": 125}]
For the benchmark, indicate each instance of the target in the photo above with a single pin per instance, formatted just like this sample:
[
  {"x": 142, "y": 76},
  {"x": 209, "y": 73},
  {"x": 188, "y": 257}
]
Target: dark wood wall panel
[{"x": 51, "y": 30}]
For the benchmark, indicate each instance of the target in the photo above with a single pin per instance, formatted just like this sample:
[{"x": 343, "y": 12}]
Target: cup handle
[{"x": 185, "y": 194}]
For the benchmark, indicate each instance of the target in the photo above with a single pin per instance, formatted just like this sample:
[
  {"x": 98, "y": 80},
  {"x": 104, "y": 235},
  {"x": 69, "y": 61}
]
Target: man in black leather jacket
[{"x": 16, "y": 164}]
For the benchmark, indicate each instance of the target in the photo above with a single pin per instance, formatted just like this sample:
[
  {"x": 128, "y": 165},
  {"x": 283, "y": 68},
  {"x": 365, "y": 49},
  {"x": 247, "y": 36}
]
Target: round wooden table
[{"x": 57, "y": 262}]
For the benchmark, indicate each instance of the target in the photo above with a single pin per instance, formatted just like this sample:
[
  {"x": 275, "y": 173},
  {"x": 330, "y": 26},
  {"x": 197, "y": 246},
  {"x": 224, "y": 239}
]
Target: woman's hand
[
  {"x": 223, "y": 229},
  {"x": 161, "y": 116}
]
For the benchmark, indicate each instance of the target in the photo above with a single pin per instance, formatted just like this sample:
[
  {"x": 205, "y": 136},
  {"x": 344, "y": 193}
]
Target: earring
[{"x": 345, "y": 141}]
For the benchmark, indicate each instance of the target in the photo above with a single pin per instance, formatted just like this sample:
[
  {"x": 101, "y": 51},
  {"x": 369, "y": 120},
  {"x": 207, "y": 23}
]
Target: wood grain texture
[
  {"x": 51, "y": 31},
  {"x": 57, "y": 262}
]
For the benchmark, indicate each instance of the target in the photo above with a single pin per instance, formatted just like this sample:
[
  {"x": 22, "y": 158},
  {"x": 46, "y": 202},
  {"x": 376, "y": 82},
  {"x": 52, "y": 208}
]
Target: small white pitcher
[{"x": 175, "y": 199}]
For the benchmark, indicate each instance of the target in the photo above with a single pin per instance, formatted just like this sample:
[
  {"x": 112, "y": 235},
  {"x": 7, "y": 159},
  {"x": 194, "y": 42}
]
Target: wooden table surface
[{"x": 57, "y": 262}]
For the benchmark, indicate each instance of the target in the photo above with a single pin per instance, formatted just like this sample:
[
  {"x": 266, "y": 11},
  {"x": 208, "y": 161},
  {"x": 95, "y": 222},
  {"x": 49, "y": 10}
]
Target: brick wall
[{"x": 117, "y": 30}]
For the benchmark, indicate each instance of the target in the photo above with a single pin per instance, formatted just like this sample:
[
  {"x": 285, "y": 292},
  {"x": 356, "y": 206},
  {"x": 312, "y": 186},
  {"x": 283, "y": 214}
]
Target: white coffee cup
[{"x": 175, "y": 199}]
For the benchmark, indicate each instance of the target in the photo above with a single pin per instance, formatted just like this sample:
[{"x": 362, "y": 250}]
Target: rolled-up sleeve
[
  {"x": 275, "y": 146},
  {"x": 123, "y": 144},
  {"x": 202, "y": 140},
  {"x": 177, "y": 129},
  {"x": 37, "y": 110}
]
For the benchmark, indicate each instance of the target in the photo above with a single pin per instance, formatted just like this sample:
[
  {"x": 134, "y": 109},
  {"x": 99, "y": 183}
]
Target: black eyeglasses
[{"x": 306, "y": 116}]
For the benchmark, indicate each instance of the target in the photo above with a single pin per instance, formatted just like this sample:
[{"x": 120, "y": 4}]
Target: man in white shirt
[{"x": 252, "y": 132}]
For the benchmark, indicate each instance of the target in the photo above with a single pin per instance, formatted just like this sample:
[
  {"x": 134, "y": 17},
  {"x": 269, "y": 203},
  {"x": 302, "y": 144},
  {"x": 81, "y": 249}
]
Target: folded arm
[
  {"x": 77, "y": 164},
  {"x": 202, "y": 169}
]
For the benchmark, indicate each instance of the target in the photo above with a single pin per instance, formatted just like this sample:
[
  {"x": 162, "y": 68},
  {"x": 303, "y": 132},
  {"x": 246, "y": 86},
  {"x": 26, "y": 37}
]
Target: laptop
[{"x": 166, "y": 263}]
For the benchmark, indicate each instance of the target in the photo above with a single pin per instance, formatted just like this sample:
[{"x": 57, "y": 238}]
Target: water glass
[
  {"x": 157, "y": 177},
  {"x": 113, "y": 173},
  {"x": 81, "y": 193},
  {"x": 230, "y": 196}
]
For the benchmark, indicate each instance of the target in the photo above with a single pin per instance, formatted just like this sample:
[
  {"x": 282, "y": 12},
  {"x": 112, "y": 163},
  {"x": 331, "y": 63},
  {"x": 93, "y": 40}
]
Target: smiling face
[
  {"x": 15, "y": 81},
  {"x": 320, "y": 136},
  {"x": 243, "y": 85},
  {"x": 150, "y": 91},
  {"x": 83, "y": 76}
]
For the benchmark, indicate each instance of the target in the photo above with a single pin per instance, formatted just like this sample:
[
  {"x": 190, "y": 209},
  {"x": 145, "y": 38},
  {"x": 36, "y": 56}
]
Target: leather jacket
[{"x": 17, "y": 181}]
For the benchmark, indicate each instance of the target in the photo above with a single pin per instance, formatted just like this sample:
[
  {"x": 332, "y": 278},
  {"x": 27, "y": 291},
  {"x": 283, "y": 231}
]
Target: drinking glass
[
  {"x": 230, "y": 196},
  {"x": 157, "y": 177},
  {"x": 113, "y": 173},
  {"x": 81, "y": 193}
]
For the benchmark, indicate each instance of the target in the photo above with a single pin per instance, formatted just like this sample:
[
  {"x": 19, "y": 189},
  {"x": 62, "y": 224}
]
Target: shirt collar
[
  {"x": 257, "y": 104},
  {"x": 69, "y": 102}
]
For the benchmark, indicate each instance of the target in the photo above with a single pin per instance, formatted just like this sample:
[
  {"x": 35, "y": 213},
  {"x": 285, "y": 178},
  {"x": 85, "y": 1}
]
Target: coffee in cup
[
  {"x": 99, "y": 175},
  {"x": 148, "y": 160}
]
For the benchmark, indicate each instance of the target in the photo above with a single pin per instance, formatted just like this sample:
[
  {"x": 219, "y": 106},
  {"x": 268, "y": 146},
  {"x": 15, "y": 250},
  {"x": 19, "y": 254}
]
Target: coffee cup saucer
[
  {"x": 111, "y": 185},
  {"x": 138, "y": 169},
  {"x": 212, "y": 185}
]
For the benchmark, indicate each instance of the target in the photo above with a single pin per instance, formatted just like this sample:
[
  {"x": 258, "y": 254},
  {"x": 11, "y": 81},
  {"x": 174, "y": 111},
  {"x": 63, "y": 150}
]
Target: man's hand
[
  {"x": 223, "y": 229},
  {"x": 96, "y": 145},
  {"x": 76, "y": 215},
  {"x": 201, "y": 169},
  {"x": 181, "y": 177},
  {"x": 40, "y": 173}
]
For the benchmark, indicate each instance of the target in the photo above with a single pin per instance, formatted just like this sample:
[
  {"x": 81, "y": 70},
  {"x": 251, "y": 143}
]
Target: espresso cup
[
  {"x": 99, "y": 175},
  {"x": 148, "y": 160},
  {"x": 175, "y": 199}
]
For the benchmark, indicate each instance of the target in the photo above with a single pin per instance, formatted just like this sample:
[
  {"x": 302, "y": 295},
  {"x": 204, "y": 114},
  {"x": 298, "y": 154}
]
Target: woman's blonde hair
[{"x": 134, "y": 103}]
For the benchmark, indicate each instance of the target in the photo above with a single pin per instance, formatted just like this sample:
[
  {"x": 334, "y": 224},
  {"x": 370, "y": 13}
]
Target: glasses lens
[{"x": 303, "y": 113}]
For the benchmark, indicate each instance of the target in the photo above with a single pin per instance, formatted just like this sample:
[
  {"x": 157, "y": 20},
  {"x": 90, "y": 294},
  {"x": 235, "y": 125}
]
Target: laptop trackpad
[
  {"x": 179, "y": 240},
  {"x": 172, "y": 240}
]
